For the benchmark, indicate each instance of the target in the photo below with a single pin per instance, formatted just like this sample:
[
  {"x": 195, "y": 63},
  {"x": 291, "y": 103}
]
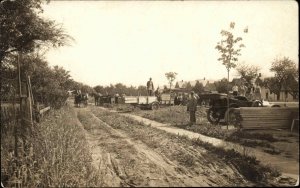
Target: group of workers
[
  {"x": 191, "y": 105},
  {"x": 252, "y": 92}
]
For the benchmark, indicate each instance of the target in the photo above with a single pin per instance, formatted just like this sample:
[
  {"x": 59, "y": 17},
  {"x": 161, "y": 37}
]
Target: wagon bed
[{"x": 142, "y": 101}]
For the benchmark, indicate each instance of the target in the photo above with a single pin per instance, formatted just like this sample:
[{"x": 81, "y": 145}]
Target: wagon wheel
[
  {"x": 232, "y": 118},
  {"x": 154, "y": 106},
  {"x": 213, "y": 116}
]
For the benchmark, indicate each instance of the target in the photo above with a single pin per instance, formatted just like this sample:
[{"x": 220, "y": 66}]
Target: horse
[
  {"x": 97, "y": 97},
  {"x": 81, "y": 99}
]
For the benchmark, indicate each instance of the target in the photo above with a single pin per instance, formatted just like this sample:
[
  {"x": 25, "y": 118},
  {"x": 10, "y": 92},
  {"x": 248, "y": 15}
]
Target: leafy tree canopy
[
  {"x": 171, "y": 76},
  {"x": 22, "y": 29},
  {"x": 248, "y": 72}
]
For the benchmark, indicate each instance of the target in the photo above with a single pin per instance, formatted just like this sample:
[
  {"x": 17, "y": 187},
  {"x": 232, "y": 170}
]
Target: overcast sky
[{"x": 130, "y": 41}]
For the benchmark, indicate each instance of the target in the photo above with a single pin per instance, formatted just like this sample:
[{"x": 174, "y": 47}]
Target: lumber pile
[{"x": 266, "y": 118}]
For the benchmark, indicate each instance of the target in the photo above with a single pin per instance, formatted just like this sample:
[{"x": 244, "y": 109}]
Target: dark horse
[
  {"x": 97, "y": 97},
  {"x": 81, "y": 99}
]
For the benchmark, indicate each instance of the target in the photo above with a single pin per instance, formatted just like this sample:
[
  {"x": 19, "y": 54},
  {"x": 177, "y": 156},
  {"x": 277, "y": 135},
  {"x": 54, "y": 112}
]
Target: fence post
[{"x": 30, "y": 100}]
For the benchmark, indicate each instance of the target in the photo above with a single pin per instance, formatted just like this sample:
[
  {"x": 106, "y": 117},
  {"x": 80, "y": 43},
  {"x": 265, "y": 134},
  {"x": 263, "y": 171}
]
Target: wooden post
[
  {"x": 29, "y": 98},
  {"x": 227, "y": 99},
  {"x": 20, "y": 113}
]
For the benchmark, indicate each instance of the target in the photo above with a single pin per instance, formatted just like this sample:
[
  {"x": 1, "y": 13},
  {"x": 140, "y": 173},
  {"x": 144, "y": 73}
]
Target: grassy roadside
[
  {"x": 59, "y": 156},
  {"x": 249, "y": 167},
  {"x": 177, "y": 116}
]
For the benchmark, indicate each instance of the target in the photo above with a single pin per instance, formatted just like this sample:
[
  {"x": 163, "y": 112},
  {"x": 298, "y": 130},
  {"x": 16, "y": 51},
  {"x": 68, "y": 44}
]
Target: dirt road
[
  {"x": 128, "y": 153},
  {"x": 287, "y": 166}
]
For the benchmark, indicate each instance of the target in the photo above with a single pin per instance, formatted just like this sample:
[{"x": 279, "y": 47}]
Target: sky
[{"x": 130, "y": 41}]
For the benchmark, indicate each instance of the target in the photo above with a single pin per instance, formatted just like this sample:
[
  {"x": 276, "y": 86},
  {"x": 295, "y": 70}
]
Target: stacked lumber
[{"x": 265, "y": 118}]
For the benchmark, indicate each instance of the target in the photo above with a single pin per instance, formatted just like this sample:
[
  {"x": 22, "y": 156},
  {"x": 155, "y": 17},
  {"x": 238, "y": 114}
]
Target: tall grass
[{"x": 58, "y": 155}]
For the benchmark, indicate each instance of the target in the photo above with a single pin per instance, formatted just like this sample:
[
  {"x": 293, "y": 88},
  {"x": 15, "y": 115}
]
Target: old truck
[{"x": 218, "y": 106}]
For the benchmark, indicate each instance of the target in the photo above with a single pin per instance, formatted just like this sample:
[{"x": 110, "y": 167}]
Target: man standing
[
  {"x": 192, "y": 107},
  {"x": 243, "y": 90},
  {"x": 257, "y": 92},
  {"x": 150, "y": 87},
  {"x": 235, "y": 90}
]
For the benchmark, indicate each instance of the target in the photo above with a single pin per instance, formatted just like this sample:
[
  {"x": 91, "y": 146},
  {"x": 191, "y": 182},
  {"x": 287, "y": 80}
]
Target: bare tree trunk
[
  {"x": 227, "y": 97},
  {"x": 278, "y": 96}
]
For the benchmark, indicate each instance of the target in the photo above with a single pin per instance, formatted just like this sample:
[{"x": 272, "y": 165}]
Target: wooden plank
[
  {"x": 282, "y": 123},
  {"x": 165, "y": 97},
  {"x": 267, "y": 108},
  {"x": 130, "y": 99},
  {"x": 44, "y": 110},
  {"x": 151, "y": 99},
  {"x": 279, "y": 124},
  {"x": 142, "y": 100}
]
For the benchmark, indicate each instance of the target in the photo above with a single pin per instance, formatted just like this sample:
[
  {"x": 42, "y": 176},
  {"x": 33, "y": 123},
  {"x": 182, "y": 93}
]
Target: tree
[
  {"x": 272, "y": 84},
  {"x": 99, "y": 89},
  {"x": 188, "y": 87},
  {"x": 176, "y": 85},
  {"x": 294, "y": 86},
  {"x": 142, "y": 90},
  {"x": 230, "y": 48},
  {"x": 22, "y": 29},
  {"x": 198, "y": 88},
  {"x": 222, "y": 86},
  {"x": 120, "y": 88},
  {"x": 171, "y": 76},
  {"x": 286, "y": 76},
  {"x": 247, "y": 72}
]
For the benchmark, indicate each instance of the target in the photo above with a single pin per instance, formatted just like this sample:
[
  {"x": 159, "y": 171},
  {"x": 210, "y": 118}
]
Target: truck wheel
[
  {"x": 213, "y": 116},
  {"x": 154, "y": 106},
  {"x": 257, "y": 104},
  {"x": 232, "y": 118}
]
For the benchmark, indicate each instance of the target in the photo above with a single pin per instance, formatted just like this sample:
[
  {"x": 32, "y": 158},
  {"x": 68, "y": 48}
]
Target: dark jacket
[
  {"x": 150, "y": 85},
  {"x": 192, "y": 104}
]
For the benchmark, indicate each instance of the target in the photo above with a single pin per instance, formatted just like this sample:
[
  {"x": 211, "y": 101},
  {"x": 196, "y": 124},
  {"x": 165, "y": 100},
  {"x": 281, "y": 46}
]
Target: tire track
[{"x": 130, "y": 162}]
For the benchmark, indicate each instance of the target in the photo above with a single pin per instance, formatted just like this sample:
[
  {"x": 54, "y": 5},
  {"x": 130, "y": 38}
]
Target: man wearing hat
[{"x": 192, "y": 107}]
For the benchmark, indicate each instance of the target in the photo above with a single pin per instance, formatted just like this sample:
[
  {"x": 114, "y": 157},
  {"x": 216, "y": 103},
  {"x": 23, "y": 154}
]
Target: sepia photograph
[{"x": 149, "y": 93}]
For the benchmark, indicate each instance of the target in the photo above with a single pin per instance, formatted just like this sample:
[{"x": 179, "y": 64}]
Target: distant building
[
  {"x": 208, "y": 85},
  {"x": 267, "y": 95},
  {"x": 284, "y": 96}
]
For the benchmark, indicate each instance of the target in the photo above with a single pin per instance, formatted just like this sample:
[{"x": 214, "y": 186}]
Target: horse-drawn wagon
[{"x": 81, "y": 99}]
